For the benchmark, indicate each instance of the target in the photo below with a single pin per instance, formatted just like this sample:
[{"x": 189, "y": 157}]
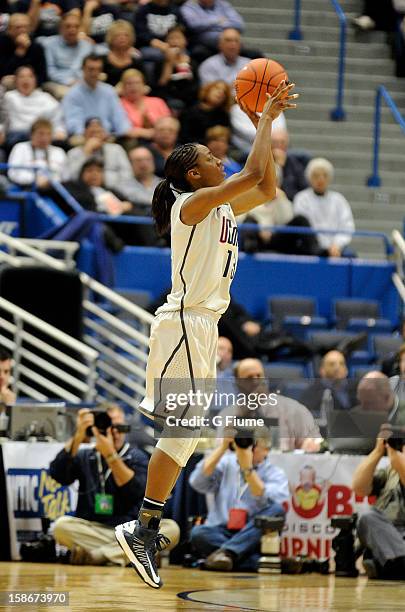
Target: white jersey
[{"x": 204, "y": 259}]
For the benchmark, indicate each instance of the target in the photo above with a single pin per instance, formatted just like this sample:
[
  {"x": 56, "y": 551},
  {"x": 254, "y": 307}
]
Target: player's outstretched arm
[
  {"x": 265, "y": 189},
  {"x": 205, "y": 199}
]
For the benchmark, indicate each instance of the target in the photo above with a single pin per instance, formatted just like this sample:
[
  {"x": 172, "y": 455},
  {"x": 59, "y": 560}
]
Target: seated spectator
[
  {"x": 91, "y": 191},
  {"x": 277, "y": 212},
  {"x": 334, "y": 380},
  {"x": 91, "y": 98},
  {"x": 64, "y": 54},
  {"x": 244, "y": 132},
  {"x": 176, "y": 81},
  {"x": 45, "y": 16},
  {"x": 374, "y": 394},
  {"x": 117, "y": 168},
  {"x": 112, "y": 478},
  {"x": 398, "y": 386},
  {"x": 243, "y": 479},
  {"x": 25, "y": 104},
  {"x": 97, "y": 18},
  {"x": 296, "y": 426},
  {"x": 325, "y": 209},
  {"x": 217, "y": 140},
  {"x": 122, "y": 54},
  {"x": 381, "y": 528},
  {"x": 215, "y": 101},
  {"x": 224, "y": 358},
  {"x": 140, "y": 187},
  {"x": 142, "y": 110},
  {"x": 292, "y": 164},
  {"x": 17, "y": 49},
  {"x": 153, "y": 20},
  {"x": 378, "y": 15},
  {"x": 226, "y": 64},
  {"x": 7, "y": 395},
  {"x": 164, "y": 141},
  {"x": 206, "y": 20},
  {"x": 37, "y": 152}
]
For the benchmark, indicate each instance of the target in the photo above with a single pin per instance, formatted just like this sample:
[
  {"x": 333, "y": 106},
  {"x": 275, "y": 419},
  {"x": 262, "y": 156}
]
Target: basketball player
[{"x": 199, "y": 207}]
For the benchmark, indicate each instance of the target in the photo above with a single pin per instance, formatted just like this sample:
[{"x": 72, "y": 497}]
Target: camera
[
  {"x": 102, "y": 421},
  {"x": 397, "y": 439},
  {"x": 243, "y": 439}
]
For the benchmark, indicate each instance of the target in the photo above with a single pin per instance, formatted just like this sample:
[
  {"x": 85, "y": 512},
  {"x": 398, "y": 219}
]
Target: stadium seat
[
  {"x": 350, "y": 308},
  {"x": 284, "y": 371},
  {"x": 372, "y": 326},
  {"x": 382, "y": 345},
  {"x": 336, "y": 339},
  {"x": 282, "y": 306},
  {"x": 301, "y": 326},
  {"x": 358, "y": 372},
  {"x": 295, "y": 388}
]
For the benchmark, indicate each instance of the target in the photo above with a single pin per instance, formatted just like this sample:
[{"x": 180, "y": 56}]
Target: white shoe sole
[{"x": 140, "y": 570}]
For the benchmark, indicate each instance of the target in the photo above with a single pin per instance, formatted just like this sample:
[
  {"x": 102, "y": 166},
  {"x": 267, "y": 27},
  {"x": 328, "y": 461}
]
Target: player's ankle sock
[{"x": 150, "y": 513}]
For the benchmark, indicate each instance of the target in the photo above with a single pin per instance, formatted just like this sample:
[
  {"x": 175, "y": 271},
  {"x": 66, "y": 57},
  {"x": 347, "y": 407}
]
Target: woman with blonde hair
[
  {"x": 215, "y": 101},
  {"x": 143, "y": 111},
  {"x": 122, "y": 54}
]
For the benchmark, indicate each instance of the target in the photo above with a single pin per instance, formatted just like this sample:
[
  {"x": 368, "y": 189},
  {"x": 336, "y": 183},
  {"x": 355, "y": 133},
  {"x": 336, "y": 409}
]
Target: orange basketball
[{"x": 258, "y": 77}]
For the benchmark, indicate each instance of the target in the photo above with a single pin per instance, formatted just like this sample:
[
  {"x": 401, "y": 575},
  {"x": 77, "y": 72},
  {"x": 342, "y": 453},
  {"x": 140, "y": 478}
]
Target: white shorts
[{"x": 182, "y": 346}]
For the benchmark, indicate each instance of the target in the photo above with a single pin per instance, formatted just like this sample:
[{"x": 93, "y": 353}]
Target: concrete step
[
  {"x": 282, "y": 17},
  {"x": 378, "y": 213},
  {"x": 362, "y": 97},
  {"x": 353, "y": 6},
  {"x": 339, "y": 128},
  {"x": 354, "y": 176},
  {"x": 354, "y": 65},
  {"x": 357, "y": 144},
  {"x": 329, "y": 49},
  {"x": 308, "y": 109},
  {"x": 346, "y": 158},
  {"x": 389, "y": 199},
  {"x": 265, "y": 29}
]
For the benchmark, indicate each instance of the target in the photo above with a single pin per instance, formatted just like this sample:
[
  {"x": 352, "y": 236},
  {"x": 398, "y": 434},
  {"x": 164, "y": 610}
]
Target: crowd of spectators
[{"x": 108, "y": 83}]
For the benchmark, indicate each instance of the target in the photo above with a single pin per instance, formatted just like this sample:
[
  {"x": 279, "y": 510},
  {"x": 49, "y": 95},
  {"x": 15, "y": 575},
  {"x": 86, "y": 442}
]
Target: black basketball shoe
[{"x": 140, "y": 546}]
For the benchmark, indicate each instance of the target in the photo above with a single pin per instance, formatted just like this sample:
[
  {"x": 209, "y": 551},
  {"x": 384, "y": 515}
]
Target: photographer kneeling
[
  {"x": 245, "y": 484},
  {"x": 381, "y": 530},
  {"x": 112, "y": 477}
]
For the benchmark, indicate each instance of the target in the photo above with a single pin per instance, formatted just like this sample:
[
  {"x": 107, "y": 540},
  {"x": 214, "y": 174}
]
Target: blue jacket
[{"x": 84, "y": 468}]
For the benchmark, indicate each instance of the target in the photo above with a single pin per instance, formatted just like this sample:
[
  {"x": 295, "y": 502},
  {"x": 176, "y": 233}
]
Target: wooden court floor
[{"x": 108, "y": 588}]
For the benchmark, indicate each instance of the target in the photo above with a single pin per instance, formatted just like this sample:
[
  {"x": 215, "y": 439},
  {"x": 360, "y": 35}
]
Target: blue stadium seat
[
  {"x": 383, "y": 345},
  {"x": 301, "y": 326},
  {"x": 295, "y": 388},
  {"x": 281, "y": 371},
  {"x": 343, "y": 310},
  {"x": 372, "y": 326},
  {"x": 282, "y": 306}
]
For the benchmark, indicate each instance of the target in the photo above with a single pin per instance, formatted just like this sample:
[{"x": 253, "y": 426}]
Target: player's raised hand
[
  {"x": 254, "y": 117},
  {"x": 280, "y": 101}
]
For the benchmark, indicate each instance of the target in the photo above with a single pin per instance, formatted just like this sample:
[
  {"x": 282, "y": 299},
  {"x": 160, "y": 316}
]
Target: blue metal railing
[
  {"x": 338, "y": 113},
  {"x": 375, "y": 180},
  {"x": 132, "y": 219},
  {"x": 280, "y": 229}
]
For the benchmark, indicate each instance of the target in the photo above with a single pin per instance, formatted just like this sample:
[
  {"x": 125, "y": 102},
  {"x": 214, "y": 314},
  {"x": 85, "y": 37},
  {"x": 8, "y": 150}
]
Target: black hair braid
[{"x": 179, "y": 162}]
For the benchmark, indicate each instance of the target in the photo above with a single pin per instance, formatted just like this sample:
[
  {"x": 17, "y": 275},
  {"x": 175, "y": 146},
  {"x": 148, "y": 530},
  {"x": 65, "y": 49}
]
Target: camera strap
[{"x": 103, "y": 477}]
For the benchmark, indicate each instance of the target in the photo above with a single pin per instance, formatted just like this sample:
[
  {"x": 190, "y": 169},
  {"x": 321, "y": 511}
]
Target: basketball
[{"x": 258, "y": 77}]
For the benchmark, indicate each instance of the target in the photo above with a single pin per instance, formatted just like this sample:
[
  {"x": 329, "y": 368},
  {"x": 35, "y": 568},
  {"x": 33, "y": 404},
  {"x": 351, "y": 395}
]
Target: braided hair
[{"x": 179, "y": 162}]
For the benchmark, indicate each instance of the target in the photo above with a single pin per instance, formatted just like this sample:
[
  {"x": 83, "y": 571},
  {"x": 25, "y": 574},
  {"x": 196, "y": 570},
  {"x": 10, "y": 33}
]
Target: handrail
[
  {"x": 282, "y": 229},
  {"x": 381, "y": 93},
  {"x": 50, "y": 330},
  {"x": 19, "y": 245},
  {"x": 338, "y": 113}
]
